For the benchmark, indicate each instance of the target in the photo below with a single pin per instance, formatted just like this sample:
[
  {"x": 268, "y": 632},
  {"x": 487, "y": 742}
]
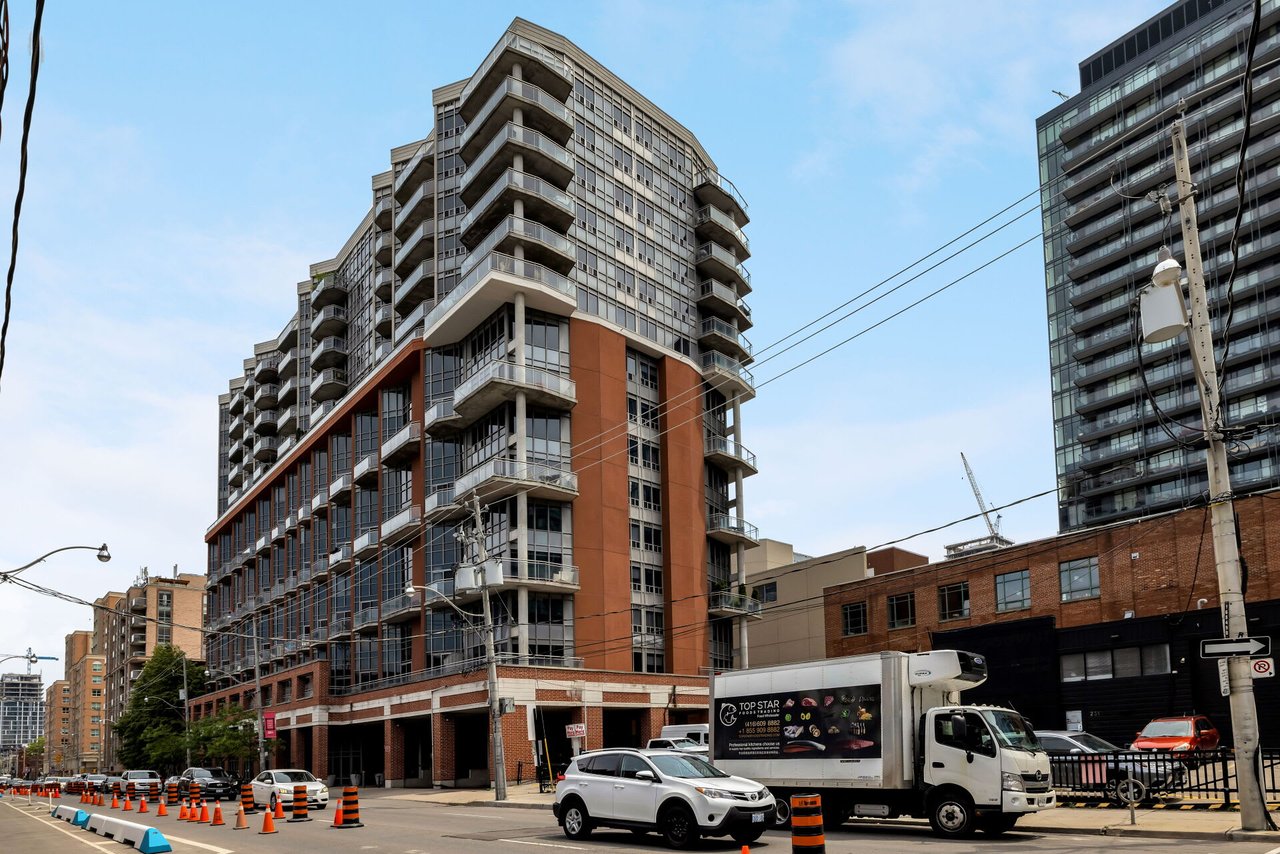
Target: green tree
[
  {"x": 152, "y": 730},
  {"x": 229, "y": 734},
  {"x": 35, "y": 754}
]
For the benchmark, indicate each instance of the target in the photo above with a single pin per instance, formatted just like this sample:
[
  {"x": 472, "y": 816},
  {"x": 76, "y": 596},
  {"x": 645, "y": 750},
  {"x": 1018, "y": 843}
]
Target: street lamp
[
  {"x": 491, "y": 663},
  {"x": 29, "y": 656},
  {"x": 104, "y": 555}
]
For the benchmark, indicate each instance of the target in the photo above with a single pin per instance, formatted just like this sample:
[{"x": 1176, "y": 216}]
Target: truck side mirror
[{"x": 959, "y": 729}]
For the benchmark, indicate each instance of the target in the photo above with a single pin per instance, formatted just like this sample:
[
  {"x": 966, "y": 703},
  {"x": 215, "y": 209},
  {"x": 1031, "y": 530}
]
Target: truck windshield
[{"x": 1012, "y": 730}]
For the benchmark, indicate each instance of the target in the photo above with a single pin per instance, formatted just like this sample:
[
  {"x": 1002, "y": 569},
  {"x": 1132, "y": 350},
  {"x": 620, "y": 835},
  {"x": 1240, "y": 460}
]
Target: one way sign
[{"x": 1231, "y": 647}]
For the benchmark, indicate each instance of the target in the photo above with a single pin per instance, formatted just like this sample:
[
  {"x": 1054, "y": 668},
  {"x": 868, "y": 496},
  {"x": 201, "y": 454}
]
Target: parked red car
[{"x": 1178, "y": 735}]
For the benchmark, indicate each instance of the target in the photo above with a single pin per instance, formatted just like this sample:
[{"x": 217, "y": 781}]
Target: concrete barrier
[
  {"x": 147, "y": 840},
  {"x": 67, "y": 813}
]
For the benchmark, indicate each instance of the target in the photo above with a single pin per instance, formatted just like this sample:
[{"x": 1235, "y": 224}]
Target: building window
[
  {"x": 1079, "y": 579},
  {"x": 854, "y": 618},
  {"x": 304, "y": 686},
  {"x": 767, "y": 592},
  {"x": 1013, "y": 590},
  {"x": 97, "y": 668},
  {"x": 902, "y": 611},
  {"x": 1122, "y": 663},
  {"x": 953, "y": 601}
]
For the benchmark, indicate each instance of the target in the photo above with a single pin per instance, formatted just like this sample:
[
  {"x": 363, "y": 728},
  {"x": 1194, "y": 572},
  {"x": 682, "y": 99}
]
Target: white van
[{"x": 699, "y": 733}]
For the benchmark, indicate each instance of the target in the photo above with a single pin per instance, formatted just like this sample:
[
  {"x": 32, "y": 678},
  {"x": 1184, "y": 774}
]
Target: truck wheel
[
  {"x": 995, "y": 825},
  {"x": 679, "y": 827},
  {"x": 951, "y": 814},
  {"x": 576, "y": 822}
]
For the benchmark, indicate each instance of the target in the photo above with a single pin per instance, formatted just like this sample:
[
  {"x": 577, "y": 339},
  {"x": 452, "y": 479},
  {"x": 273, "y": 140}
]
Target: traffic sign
[
  {"x": 1231, "y": 647},
  {"x": 1263, "y": 668}
]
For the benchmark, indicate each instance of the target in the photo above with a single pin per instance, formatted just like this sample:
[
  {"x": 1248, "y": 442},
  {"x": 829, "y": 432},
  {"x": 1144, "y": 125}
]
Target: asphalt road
[{"x": 396, "y": 826}]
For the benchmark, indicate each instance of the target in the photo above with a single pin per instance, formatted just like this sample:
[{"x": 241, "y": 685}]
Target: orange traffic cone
[
  {"x": 193, "y": 814},
  {"x": 160, "y": 810},
  {"x": 746, "y": 849},
  {"x": 268, "y": 823},
  {"x": 128, "y": 804},
  {"x": 204, "y": 812},
  {"x": 337, "y": 815},
  {"x": 242, "y": 823},
  {"x": 279, "y": 809},
  {"x": 182, "y": 812},
  {"x": 217, "y": 815},
  {"x": 142, "y": 805},
  {"x": 115, "y": 801}
]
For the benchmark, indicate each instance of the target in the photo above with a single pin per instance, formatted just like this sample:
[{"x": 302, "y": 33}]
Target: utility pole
[
  {"x": 1244, "y": 712},
  {"x": 186, "y": 707},
  {"x": 257, "y": 687},
  {"x": 476, "y": 537}
]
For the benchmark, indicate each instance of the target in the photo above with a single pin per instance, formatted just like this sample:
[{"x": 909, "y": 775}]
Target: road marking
[
  {"x": 546, "y": 844},
  {"x": 214, "y": 848},
  {"x": 92, "y": 843},
  {"x": 1275, "y": 850},
  {"x": 487, "y": 815}
]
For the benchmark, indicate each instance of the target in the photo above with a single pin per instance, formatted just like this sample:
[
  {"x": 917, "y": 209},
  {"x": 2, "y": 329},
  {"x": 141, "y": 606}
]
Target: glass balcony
[
  {"x": 499, "y": 381},
  {"x": 366, "y": 471},
  {"x": 327, "y": 290},
  {"x": 235, "y": 453},
  {"x": 384, "y": 247},
  {"x": 291, "y": 522},
  {"x": 732, "y": 530},
  {"x": 403, "y": 445},
  {"x": 340, "y": 489},
  {"x": 723, "y": 299},
  {"x": 726, "y": 453},
  {"x": 402, "y": 608},
  {"x": 235, "y": 476},
  {"x": 716, "y": 261},
  {"x": 320, "y": 568},
  {"x": 366, "y": 618},
  {"x": 236, "y": 429},
  {"x": 541, "y": 244},
  {"x": 264, "y": 449},
  {"x": 417, "y": 285},
  {"x": 539, "y": 111},
  {"x": 416, "y": 247},
  {"x": 328, "y": 352},
  {"x": 441, "y": 505},
  {"x": 418, "y": 169},
  {"x": 543, "y": 201},
  {"x": 289, "y": 364},
  {"x": 723, "y": 336},
  {"x": 237, "y": 402},
  {"x": 383, "y": 210},
  {"x": 340, "y": 558},
  {"x": 442, "y": 421},
  {"x": 710, "y": 187},
  {"x": 725, "y": 604},
  {"x": 537, "y": 64},
  {"x": 383, "y": 284},
  {"x": 304, "y": 511},
  {"x": 711, "y": 223},
  {"x": 542, "y": 156},
  {"x": 494, "y": 281},
  {"x": 330, "y": 320},
  {"x": 264, "y": 544},
  {"x": 365, "y": 545},
  {"x": 418, "y": 207},
  {"x": 727, "y": 375},
  {"x": 267, "y": 368},
  {"x": 383, "y": 318},
  {"x": 329, "y": 385},
  {"x": 501, "y": 477},
  {"x": 401, "y": 526},
  {"x": 288, "y": 422},
  {"x": 266, "y": 396},
  {"x": 340, "y": 627},
  {"x": 288, "y": 392},
  {"x": 544, "y": 576}
]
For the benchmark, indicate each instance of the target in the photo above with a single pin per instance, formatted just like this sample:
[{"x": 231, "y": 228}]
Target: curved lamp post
[{"x": 104, "y": 555}]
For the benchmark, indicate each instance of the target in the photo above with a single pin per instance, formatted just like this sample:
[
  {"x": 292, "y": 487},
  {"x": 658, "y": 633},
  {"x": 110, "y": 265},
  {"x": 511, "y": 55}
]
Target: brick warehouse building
[
  {"x": 1105, "y": 623},
  {"x": 542, "y": 308}
]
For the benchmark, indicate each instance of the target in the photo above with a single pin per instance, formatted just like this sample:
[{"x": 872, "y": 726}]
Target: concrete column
[
  {"x": 393, "y": 753},
  {"x": 320, "y": 750}
]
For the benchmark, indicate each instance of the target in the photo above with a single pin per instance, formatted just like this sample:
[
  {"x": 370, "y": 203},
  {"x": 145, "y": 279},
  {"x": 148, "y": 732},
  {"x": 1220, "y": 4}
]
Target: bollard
[
  {"x": 171, "y": 794},
  {"x": 246, "y": 799},
  {"x": 806, "y": 825},
  {"x": 299, "y": 803},
  {"x": 350, "y": 809}
]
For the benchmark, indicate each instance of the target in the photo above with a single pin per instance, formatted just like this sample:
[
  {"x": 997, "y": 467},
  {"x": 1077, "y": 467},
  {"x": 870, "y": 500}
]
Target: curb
[{"x": 499, "y": 804}]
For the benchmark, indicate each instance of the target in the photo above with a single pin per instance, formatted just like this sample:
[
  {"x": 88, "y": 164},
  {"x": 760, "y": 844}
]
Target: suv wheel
[
  {"x": 679, "y": 827},
  {"x": 577, "y": 824}
]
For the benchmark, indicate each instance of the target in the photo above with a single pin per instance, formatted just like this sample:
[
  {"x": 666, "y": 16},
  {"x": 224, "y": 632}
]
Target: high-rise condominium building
[
  {"x": 541, "y": 313},
  {"x": 21, "y": 710},
  {"x": 1127, "y": 421}
]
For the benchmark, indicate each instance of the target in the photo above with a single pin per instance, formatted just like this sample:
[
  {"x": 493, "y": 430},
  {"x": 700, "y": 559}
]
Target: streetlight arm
[
  {"x": 104, "y": 555},
  {"x": 410, "y": 588}
]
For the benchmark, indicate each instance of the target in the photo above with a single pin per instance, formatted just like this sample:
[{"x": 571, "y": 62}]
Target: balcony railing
[
  {"x": 546, "y": 65},
  {"x": 724, "y": 526},
  {"x": 725, "y": 603},
  {"x": 401, "y": 524},
  {"x": 545, "y": 388},
  {"x": 546, "y": 478},
  {"x": 551, "y": 246},
  {"x": 519, "y": 91},
  {"x": 715, "y": 187},
  {"x": 727, "y": 373},
  {"x": 402, "y": 444},
  {"x": 531, "y": 187},
  {"x": 727, "y": 449},
  {"x": 535, "y": 145}
]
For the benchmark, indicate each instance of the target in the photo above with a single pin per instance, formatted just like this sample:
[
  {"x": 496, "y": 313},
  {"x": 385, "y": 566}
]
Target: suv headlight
[
  {"x": 715, "y": 793},
  {"x": 1186, "y": 745},
  {"x": 1012, "y": 782}
]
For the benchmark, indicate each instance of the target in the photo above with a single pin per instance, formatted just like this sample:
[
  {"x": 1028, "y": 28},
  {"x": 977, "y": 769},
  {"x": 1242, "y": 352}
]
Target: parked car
[
  {"x": 677, "y": 794},
  {"x": 143, "y": 781},
  {"x": 214, "y": 782},
  {"x": 277, "y": 785},
  {"x": 1123, "y": 779},
  {"x": 1179, "y": 735},
  {"x": 684, "y": 745}
]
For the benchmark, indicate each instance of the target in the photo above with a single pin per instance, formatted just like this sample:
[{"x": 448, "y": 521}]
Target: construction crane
[
  {"x": 993, "y": 540},
  {"x": 994, "y": 529}
]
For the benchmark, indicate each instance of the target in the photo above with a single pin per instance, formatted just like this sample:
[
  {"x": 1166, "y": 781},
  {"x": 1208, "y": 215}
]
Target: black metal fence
[{"x": 1149, "y": 776}]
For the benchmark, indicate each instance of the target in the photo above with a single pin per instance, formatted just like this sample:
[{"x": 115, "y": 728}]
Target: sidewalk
[{"x": 1168, "y": 823}]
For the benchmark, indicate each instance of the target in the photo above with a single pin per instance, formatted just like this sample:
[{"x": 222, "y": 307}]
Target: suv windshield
[
  {"x": 1012, "y": 729},
  {"x": 1158, "y": 729},
  {"x": 686, "y": 767},
  {"x": 208, "y": 772}
]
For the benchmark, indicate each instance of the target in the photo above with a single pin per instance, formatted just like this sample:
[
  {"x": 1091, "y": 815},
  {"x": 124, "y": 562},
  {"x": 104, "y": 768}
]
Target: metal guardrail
[{"x": 1198, "y": 776}]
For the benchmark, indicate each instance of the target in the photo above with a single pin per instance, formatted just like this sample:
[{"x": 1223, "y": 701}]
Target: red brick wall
[{"x": 1149, "y": 567}]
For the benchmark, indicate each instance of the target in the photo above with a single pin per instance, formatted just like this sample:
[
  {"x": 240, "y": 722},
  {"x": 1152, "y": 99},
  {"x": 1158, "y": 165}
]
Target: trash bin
[
  {"x": 355, "y": 779},
  {"x": 378, "y": 780}
]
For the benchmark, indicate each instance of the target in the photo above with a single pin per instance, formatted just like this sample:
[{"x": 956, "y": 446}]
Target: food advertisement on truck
[{"x": 818, "y": 724}]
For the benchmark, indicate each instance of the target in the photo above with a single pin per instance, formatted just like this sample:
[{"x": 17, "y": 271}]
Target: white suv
[{"x": 676, "y": 794}]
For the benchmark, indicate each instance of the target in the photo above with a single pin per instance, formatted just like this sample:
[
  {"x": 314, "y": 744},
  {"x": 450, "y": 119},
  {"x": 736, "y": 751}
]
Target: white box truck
[{"x": 881, "y": 735}]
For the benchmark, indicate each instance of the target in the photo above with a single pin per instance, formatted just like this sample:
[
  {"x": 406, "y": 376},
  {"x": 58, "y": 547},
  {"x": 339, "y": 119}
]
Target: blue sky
[{"x": 189, "y": 160}]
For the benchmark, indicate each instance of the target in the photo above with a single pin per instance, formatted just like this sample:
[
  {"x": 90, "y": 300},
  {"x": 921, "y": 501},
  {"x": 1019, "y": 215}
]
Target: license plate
[{"x": 757, "y": 818}]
